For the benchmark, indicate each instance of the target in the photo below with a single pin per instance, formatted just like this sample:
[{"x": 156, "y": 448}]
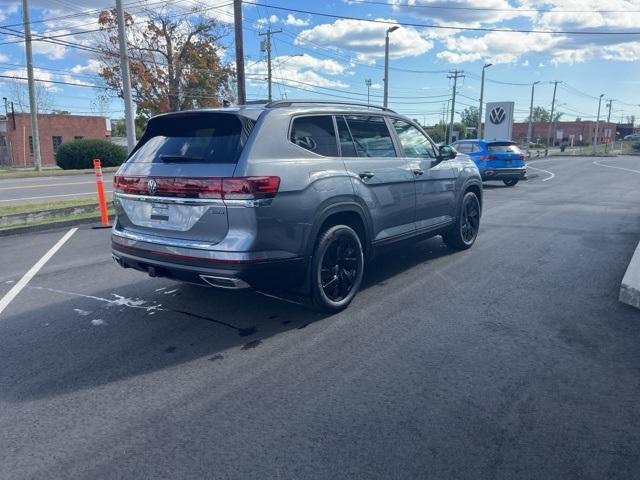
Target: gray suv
[{"x": 296, "y": 195}]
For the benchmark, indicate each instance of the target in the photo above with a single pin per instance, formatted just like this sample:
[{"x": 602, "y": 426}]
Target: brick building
[
  {"x": 582, "y": 132},
  {"x": 16, "y": 143}
]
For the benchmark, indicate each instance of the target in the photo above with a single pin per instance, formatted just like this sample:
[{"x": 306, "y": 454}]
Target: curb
[
  {"x": 630, "y": 287},
  {"x": 23, "y": 219}
]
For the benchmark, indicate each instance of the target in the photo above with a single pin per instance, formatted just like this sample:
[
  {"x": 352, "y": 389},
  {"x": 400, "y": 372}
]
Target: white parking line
[
  {"x": 53, "y": 196},
  {"x": 17, "y": 288},
  {"x": 617, "y": 168},
  {"x": 545, "y": 171}
]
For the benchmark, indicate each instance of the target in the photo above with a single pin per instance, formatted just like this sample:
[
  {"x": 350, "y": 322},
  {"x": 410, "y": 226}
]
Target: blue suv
[{"x": 496, "y": 159}]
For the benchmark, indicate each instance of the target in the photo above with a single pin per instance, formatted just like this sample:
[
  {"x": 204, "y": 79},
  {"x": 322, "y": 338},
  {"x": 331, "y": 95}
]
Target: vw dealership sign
[{"x": 498, "y": 122}]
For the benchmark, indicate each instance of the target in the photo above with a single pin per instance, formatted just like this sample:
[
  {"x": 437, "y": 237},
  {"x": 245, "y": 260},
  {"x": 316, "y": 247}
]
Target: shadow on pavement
[{"x": 84, "y": 339}]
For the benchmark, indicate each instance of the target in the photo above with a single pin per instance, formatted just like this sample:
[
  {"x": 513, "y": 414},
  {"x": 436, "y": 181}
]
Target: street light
[
  {"x": 530, "y": 129},
  {"x": 486, "y": 65},
  {"x": 595, "y": 141},
  {"x": 367, "y": 82},
  {"x": 386, "y": 64}
]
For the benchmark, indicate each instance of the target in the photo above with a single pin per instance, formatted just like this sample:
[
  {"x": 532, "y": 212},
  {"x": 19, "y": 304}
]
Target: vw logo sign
[
  {"x": 152, "y": 187},
  {"x": 497, "y": 115}
]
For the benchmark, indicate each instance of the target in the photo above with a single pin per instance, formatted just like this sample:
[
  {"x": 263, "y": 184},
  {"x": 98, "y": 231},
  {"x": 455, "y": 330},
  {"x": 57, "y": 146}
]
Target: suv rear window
[
  {"x": 316, "y": 134},
  {"x": 199, "y": 138},
  {"x": 371, "y": 136},
  {"x": 503, "y": 147}
]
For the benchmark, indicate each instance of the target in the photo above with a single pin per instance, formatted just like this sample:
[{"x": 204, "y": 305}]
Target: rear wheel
[
  {"x": 510, "y": 182},
  {"x": 464, "y": 232},
  {"x": 337, "y": 268}
]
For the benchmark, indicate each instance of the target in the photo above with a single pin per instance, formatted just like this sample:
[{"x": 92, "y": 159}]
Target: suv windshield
[{"x": 201, "y": 138}]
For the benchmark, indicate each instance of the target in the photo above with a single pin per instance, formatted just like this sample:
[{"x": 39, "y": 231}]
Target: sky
[{"x": 329, "y": 48}]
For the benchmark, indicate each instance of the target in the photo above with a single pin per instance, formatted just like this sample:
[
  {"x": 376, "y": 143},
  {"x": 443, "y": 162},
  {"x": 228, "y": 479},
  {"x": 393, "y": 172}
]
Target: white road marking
[
  {"x": 545, "y": 171},
  {"x": 17, "y": 288},
  {"x": 54, "y": 196},
  {"x": 617, "y": 168}
]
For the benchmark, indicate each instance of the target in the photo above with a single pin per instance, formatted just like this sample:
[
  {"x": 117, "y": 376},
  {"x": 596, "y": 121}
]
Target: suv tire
[
  {"x": 336, "y": 269},
  {"x": 465, "y": 231},
  {"x": 511, "y": 182}
]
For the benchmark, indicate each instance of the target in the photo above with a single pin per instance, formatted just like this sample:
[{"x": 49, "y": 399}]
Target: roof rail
[{"x": 288, "y": 103}]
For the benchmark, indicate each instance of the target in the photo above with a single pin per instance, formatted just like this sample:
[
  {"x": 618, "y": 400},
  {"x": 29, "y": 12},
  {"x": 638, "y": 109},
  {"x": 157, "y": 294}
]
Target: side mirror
[{"x": 446, "y": 152}]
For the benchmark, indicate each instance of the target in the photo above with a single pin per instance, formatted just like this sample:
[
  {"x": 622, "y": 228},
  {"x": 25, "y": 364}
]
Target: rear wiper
[{"x": 181, "y": 158}]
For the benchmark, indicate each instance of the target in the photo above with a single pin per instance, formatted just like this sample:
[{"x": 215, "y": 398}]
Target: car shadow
[{"x": 82, "y": 340}]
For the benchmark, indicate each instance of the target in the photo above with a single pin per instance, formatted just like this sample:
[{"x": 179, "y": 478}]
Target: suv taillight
[{"x": 234, "y": 188}]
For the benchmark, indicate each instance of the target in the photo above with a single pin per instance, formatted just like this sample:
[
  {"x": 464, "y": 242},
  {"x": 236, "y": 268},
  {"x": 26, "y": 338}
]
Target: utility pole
[
  {"x": 266, "y": 47},
  {"x": 530, "y": 129},
  {"x": 367, "y": 82},
  {"x": 486, "y": 65},
  {"x": 33, "y": 106},
  {"x": 595, "y": 141},
  {"x": 386, "y": 64},
  {"x": 609, "y": 104},
  {"x": 455, "y": 74},
  {"x": 129, "y": 116},
  {"x": 553, "y": 106},
  {"x": 237, "y": 15}
]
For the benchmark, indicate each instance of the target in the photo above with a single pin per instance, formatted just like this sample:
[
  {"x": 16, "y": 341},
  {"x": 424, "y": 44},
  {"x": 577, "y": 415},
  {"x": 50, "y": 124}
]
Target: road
[
  {"x": 49, "y": 189},
  {"x": 510, "y": 360}
]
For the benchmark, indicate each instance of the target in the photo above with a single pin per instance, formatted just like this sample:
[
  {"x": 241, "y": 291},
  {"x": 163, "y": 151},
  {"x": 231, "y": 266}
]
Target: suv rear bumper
[
  {"x": 230, "y": 270},
  {"x": 503, "y": 173}
]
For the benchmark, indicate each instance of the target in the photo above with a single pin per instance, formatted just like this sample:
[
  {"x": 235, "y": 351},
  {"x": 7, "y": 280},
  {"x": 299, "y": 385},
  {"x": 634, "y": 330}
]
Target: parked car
[
  {"x": 632, "y": 136},
  {"x": 290, "y": 195},
  {"x": 496, "y": 159}
]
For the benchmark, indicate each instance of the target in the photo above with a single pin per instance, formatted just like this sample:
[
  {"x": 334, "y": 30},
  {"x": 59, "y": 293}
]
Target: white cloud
[
  {"x": 4, "y": 57},
  {"x": 626, "y": 52},
  {"x": 296, "y": 22},
  {"x": 304, "y": 71},
  {"x": 8, "y": 10},
  {"x": 92, "y": 66},
  {"x": 458, "y": 13},
  {"x": 366, "y": 39},
  {"x": 20, "y": 74},
  {"x": 52, "y": 51},
  {"x": 496, "y": 47}
]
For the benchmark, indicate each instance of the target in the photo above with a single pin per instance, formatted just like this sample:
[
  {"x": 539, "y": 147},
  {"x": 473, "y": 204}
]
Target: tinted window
[
  {"x": 56, "y": 140},
  {"x": 315, "y": 134},
  {"x": 414, "y": 143},
  {"x": 201, "y": 138},
  {"x": 347, "y": 147},
  {"x": 371, "y": 136},
  {"x": 503, "y": 147}
]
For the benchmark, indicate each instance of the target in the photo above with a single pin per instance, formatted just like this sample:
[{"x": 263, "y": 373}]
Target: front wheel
[
  {"x": 463, "y": 234},
  {"x": 337, "y": 269},
  {"x": 510, "y": 182}
]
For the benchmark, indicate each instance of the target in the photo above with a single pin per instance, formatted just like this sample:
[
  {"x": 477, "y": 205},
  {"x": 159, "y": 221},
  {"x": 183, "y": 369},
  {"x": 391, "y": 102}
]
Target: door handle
[
  {"x": 418, "y": 171},
  {"x": 366, "y": 175}
]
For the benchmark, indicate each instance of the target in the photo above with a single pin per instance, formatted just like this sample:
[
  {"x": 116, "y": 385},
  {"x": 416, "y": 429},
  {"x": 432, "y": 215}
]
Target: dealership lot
[{"x": 510, "y": 360}]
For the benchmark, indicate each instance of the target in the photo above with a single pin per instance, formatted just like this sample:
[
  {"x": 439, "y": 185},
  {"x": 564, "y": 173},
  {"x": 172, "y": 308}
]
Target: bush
[
  {"x": 81, "y": 153},
  {"x": 636, "y": 146}
]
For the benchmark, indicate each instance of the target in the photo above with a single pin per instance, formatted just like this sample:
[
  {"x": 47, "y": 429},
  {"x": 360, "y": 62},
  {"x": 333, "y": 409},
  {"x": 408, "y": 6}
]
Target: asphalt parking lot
[{"x": 510, "y": 360}]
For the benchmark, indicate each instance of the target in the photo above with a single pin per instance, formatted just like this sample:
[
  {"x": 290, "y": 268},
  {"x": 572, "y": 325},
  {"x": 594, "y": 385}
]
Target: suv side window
[
  {"x": 464, "y": 147},
  {"x": 316, "y": 134},
  {"x": 371, "y": 136},
  {"x": 347, "y": 147},
  {"x": 414, "y": 143}
]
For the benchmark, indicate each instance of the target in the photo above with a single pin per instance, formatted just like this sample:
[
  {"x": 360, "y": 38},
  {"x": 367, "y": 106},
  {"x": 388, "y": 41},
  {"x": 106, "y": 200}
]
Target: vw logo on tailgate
[
  {"x": 497, "y": 115},
  {"x": 152, "y": 187}
]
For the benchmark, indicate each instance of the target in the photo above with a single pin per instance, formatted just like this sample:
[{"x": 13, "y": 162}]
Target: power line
[
  {"x": 486, "y": 9},
  {"x": 444, "y": 27}
]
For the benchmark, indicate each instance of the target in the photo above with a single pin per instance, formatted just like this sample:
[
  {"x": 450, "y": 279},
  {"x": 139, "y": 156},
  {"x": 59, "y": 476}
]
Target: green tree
[
  {"x": 174, "y": 60},
  {"x": 470, "y": 116},
  {"x": 541, "y": 114}
]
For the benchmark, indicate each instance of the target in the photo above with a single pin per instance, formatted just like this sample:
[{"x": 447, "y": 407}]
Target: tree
[
  {"x": 470, "y": 116},
  {"x": 631, "y": 120},
  {"x": 19, "y": 92},
  {"x": 174, "y": 60},
  {"x": 541, "y": 114}
]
